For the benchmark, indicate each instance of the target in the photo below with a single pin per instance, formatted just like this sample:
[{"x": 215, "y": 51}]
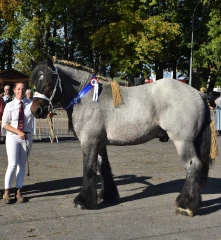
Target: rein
[{"x": 39, "y": 95}]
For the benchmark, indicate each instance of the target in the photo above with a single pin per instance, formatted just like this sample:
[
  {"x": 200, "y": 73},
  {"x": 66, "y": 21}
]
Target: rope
[
  {"x": 28, "y": 154},
  {"x": 50, "y": 124}
]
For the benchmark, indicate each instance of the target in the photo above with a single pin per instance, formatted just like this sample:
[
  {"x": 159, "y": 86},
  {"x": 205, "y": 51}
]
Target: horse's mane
[
  {"x": 117, "y": 98},
  {"x": 76, "y": 65}
]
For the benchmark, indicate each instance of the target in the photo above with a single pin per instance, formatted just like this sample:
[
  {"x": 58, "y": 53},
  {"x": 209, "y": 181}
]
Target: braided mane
[
  {"x": 116, "y": 91},
  {"x": 76, "y": 65}
]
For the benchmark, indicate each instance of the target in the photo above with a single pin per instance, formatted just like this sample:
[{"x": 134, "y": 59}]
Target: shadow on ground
[{"x": 147, "y": 189}]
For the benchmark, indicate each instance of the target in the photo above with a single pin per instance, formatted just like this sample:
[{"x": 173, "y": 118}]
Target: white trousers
[{"x": 17, "y": 157}]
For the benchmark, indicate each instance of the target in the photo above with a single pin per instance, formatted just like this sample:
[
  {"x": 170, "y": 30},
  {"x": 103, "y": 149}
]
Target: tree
[
  {"x": 208, "y": 56},
  {"x": 8, "y": 32},
  {"x": 135, "y": 38}
]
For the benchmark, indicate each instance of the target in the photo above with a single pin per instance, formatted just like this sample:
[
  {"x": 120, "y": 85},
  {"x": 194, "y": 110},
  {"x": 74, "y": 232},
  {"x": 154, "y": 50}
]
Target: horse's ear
[
  {"x": 33, "y": 64},
  {"x": 50, "y": 64}
]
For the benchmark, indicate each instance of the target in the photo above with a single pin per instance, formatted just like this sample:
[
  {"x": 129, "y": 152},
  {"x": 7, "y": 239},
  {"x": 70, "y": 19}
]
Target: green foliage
[
  {"x": 135, "y": 38},
  {"x": 127, "y": 36},
  {"x": 208, "y": 55}
]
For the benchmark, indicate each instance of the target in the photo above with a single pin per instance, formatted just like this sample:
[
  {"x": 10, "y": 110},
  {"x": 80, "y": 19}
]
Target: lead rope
[
  {"x": 50, "y": 124},
  {"x": 28, "y": 154}
]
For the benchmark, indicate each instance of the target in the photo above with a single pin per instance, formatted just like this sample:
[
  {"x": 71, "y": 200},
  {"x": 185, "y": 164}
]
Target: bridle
[{"x": 42, "y": 96}]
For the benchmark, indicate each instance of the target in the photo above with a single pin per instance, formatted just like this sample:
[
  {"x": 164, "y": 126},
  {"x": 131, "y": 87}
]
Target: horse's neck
[{"x": 73, "y": 81}]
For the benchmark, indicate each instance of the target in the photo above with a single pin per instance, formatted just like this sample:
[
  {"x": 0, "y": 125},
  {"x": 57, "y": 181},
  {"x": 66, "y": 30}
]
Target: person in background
[
  {"x": 18, "y": 122},
  {"x": 2, "y": 103},
  {"x": 29, "y": 94},
  {"x": 218, "y": 115},
  {"x": 210, "y": 101},
  {"x": 6, "y": 95},
  {"x": 2, "y": 106}
]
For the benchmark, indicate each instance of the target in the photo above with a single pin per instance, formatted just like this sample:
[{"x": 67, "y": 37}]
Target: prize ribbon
[{"x": 80, "y": 95}]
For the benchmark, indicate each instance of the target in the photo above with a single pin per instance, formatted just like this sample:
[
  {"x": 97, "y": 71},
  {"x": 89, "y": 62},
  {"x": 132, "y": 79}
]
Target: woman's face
[{"x": 19, "y": 91}]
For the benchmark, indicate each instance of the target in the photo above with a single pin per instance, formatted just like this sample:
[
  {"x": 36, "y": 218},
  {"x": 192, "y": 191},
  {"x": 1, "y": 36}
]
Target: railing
[{"x": 59, "y": 125}]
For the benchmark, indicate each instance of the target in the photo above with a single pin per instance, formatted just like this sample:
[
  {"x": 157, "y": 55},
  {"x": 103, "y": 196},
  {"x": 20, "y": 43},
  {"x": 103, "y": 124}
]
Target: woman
[{"x": 19, "y": 125}]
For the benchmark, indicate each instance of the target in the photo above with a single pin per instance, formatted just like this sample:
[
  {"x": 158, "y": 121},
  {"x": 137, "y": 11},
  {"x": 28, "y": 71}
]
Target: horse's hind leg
[
  {"x": 88, "y": 195},
  {"x": 108, "y": 192},
  {"x": 190, "y": 197}
]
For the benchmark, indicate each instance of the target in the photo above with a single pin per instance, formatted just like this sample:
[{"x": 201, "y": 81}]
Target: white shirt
[{"x": 11, "y": 113}]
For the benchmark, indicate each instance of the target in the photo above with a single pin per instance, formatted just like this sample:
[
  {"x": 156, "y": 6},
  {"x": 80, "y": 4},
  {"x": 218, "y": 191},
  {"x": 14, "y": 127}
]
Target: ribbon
[
  {"x": 84, "y": 91},
  {"x": 95, "y": 84}
]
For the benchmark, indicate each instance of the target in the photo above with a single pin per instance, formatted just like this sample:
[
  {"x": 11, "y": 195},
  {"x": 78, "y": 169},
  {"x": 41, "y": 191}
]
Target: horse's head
[{"x": 48, "y": 88}]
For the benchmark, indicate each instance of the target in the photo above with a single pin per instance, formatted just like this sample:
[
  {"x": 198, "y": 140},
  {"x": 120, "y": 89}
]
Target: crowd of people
[{"x": 16, "y": 118}]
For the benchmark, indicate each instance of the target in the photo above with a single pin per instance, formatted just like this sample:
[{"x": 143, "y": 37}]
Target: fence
[
  {"x": 42, "y": 128},
  {"x": 59, "y": 125}
]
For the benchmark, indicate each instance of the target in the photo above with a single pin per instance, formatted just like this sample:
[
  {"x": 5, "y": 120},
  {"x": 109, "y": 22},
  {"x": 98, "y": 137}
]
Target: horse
[{"x": 164, "y": 108}]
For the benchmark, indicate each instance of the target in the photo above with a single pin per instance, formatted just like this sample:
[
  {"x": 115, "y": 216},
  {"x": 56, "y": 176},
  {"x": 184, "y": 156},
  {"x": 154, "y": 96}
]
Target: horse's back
[{"x": 152, "y": 110}]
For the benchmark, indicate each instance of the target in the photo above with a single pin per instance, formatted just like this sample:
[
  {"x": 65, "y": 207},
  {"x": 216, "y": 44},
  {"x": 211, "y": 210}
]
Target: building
[{"x": 11, "y": 76}]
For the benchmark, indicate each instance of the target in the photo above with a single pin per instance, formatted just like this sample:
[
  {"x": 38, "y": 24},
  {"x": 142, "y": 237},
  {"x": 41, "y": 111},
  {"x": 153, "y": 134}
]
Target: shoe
[
  {"x": 18, "y": 196},
  {"x": 6, "y": 196}
]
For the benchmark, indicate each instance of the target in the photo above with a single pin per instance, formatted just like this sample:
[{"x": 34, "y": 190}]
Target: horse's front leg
[
  {"x": 87, "y": 199},
  {"x": 108, "y": 192}
]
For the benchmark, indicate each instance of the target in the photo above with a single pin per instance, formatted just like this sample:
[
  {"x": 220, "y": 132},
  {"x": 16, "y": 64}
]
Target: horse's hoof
[
  {"x": 79, "y": 206},
  {"x": 184, "y": 212},
  {"x": 99, "y": 200}
]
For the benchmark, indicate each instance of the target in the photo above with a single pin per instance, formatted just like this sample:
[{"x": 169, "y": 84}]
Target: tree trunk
[
  {"x": 174, "y": 69},
  {"x": 65, "y": 39},
  {"x": 159, "y": 70},
  {"x": 9, "y": 51},
  {"x": 53, "y": 46}
]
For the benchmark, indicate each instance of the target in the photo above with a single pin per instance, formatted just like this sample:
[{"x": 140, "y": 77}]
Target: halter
[{"x": 39, "y": 95}]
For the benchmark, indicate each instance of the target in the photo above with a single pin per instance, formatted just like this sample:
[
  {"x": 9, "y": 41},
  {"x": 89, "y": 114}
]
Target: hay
[
  {"x": 116, "y": 93},
  {"x": 214, "y": 148}
]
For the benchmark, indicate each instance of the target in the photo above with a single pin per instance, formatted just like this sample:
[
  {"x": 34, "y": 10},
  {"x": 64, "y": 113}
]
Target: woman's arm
[{"x": 9, "y": 128}]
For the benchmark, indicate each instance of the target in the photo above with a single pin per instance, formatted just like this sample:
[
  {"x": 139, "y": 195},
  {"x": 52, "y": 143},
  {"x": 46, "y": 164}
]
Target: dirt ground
[{"x": 149, "y": 178}]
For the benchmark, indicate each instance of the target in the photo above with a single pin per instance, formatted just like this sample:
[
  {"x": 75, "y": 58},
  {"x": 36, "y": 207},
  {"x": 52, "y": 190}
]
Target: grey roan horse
[{"x": 156, "y": 110}]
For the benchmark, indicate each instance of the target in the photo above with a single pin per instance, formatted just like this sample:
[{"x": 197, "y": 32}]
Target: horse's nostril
[{"x": 39, "y": 111}]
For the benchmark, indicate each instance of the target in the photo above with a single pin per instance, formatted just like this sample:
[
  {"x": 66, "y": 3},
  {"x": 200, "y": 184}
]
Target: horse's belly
[{"x": 131, "y": 135}]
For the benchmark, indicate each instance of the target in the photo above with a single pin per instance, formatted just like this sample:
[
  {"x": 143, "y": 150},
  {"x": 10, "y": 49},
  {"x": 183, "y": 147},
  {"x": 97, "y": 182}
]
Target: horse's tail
[{"x": 206, "y": 144}]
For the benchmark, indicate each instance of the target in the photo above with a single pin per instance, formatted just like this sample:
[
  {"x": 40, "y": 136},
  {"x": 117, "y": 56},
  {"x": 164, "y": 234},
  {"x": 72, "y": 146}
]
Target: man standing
[{"x": 6, "y": 96}]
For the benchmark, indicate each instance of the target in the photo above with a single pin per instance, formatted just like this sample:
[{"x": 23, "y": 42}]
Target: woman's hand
[{"x": 21, "y": 135}]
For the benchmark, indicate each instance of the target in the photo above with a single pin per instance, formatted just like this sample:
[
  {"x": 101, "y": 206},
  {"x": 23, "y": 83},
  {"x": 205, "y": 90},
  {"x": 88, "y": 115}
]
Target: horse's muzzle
[{"x": 39, "y": 111}]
